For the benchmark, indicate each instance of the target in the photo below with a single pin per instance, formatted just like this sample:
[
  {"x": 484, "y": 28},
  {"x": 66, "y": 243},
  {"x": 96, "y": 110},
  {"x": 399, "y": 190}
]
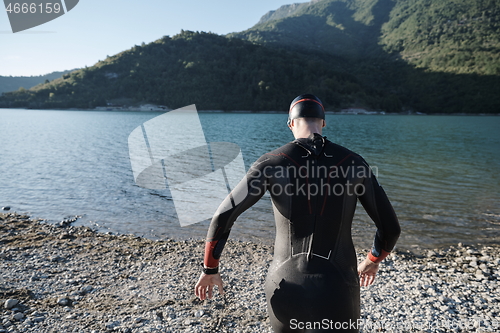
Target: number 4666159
[{"x": 33, "y": 8}]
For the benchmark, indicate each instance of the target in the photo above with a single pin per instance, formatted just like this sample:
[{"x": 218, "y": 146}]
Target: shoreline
[
  {"x": 73, "y": 278},
  {"x": 417, "y": 250},
  {"x": 339, "y": 113}
]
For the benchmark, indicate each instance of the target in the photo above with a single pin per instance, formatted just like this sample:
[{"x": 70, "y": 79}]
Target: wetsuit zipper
[{"x": 315, "y": 161}]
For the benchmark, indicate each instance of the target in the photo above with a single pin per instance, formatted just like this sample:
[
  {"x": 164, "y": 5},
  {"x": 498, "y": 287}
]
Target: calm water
[{"x": 441, "y": 172}]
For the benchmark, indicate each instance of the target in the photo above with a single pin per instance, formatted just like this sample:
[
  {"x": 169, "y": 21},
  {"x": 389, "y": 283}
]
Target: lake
[{"x": 442, "y": 173}]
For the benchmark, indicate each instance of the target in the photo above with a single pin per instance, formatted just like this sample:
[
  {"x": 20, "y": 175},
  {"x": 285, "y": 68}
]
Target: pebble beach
[{"x": 60, "y": 278}]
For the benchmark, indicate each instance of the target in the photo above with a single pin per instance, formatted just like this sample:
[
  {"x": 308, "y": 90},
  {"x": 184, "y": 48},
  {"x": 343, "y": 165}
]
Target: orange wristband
[{"x": 378, "y": 259}]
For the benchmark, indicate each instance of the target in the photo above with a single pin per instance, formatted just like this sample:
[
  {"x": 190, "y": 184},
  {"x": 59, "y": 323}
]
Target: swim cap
[{"x": 306, "y": 106}]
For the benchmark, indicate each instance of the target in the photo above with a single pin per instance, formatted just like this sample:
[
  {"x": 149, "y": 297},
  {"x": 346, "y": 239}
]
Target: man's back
[{"x": 314, "y": 186}]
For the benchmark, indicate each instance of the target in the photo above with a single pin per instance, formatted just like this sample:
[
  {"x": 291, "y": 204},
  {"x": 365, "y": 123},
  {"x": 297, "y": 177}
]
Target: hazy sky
[{"x": 97, "y": 28}]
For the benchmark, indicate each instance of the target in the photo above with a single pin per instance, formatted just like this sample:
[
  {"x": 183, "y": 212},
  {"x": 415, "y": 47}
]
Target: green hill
[
  {"x": 212, "y": 71},
  {"x": 341, "y": 27},
  {"x": 394, "y": 55},
  {"x": 434, "y": 56},
  {"x": 457, "y": 36},
  {"x": 10, "y": 83}
]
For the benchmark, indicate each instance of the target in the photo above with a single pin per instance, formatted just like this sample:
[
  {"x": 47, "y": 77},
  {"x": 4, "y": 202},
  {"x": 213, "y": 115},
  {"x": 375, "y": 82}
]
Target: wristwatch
[{"x": 209, "y": 271}]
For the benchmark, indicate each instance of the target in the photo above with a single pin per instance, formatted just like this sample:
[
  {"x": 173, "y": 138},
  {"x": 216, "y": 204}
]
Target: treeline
[{"x": 11, "y": 83}]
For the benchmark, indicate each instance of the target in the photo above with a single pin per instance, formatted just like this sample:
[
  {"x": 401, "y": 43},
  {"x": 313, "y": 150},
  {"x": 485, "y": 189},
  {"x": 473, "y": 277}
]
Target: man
[{"x": 313, "y": 284}]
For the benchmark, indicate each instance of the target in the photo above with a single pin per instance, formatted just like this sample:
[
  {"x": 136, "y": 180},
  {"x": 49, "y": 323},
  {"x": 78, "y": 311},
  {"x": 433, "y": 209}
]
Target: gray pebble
[
  {"x": 64, "y": 301},
  {"x": 113, "y": 325},
  {"x": 18, "y": 316},
  {"x": 131, "y": 287},
  {"x": 10, "y": 303}
]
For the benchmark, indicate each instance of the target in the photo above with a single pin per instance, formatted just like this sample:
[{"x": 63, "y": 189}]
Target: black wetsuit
[{"x": 312, "y": 283}]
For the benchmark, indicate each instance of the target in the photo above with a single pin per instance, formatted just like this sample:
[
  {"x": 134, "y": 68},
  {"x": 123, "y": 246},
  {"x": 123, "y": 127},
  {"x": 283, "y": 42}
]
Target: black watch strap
[{"x": 210, "y": 270}]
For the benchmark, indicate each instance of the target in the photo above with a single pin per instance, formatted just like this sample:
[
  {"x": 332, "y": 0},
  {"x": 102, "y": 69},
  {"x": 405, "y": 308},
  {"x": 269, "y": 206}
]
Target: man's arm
[
  {"x": 245, "y": 194},
  {"x": 377, "y": 205}
]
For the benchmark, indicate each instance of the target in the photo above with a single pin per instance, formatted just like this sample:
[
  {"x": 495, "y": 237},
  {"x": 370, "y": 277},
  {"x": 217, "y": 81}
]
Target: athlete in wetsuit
[{"x": 313, "y": 283}]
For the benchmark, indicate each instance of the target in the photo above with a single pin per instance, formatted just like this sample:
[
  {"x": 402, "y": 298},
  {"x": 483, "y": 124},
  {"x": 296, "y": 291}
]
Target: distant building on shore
[
  {"x": 359, "y": 111},
  {"x": 143, "y": 107}
]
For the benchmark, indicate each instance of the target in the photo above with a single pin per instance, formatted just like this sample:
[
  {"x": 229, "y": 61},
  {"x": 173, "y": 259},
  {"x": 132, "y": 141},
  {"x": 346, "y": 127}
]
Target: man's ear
[{"x": 324, "y": 123}]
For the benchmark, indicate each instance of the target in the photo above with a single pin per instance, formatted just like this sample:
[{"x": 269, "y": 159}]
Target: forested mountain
[
  {"x": 341, "y": 27},
  {"x": 459, "y": 36},
  {"x": 11, "y": 83},
  {"x": 456, "y": 36},
  {"x": 431, "y": 56},
  {"x": 212, "y": 71},
  {"x": 284, "y": 11}
]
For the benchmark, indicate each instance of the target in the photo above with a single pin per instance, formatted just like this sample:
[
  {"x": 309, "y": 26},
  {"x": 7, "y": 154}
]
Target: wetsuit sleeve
[
  {"x": 249, "y": 190},
  {"x": 377, "y": 205}
]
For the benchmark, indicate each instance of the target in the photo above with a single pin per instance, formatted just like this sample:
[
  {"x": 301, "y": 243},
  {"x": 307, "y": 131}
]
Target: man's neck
[{"x": 306, "y": 132}]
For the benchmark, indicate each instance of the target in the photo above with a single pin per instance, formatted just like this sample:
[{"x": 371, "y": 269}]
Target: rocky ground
[{"x": 73, "y": 279}]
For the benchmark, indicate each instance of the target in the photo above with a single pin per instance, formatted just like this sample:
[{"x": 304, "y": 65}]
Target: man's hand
[
  {"x": 206, "y": 284},
  {"x": 367, "y": 270}
]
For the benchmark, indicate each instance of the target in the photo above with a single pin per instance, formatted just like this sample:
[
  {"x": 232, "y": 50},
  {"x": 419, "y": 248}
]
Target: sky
[{"x": 95, "y": 29}]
